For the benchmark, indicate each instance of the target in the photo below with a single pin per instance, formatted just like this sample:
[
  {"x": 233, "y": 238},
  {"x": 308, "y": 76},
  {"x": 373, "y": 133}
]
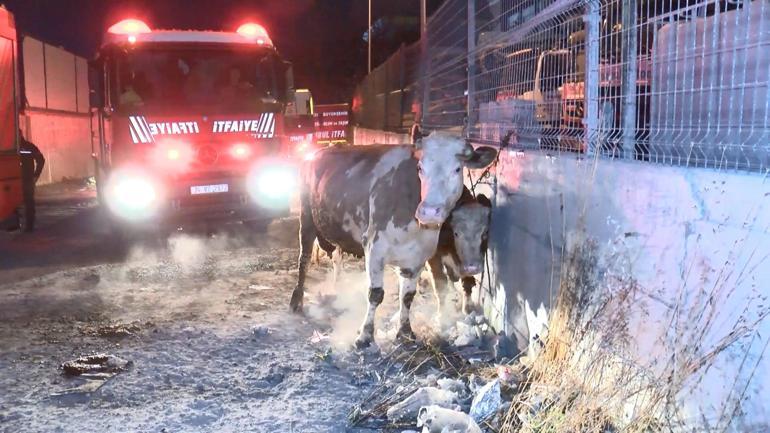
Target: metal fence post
[
  {"x": 470, "y": 90},
  {"x": 425, "y": 79},
  {"x": 401, "y": 85},
  {"x": 425, "y": 63},
  {"x": 630, "y": 75},
  {"x": 591, "y": 116},
  {"x": 385, "y": 93}
]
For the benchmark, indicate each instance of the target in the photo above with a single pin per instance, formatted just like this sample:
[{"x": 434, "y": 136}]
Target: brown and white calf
[
  {"x": 387, "y": 204},
  {"x": 460, "y": 252}
]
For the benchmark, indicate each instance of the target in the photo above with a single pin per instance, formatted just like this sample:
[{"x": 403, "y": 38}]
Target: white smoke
[
  {"x": 189, "y": 252},
  {"x": 343, "y": 307}
]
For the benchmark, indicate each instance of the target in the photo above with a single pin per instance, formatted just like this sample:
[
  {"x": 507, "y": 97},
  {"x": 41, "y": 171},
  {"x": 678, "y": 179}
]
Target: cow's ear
[
  {"x": 482, "y": 156},
  {"x": 483, "y": 200},
  {"x": 415, "y": 135}
]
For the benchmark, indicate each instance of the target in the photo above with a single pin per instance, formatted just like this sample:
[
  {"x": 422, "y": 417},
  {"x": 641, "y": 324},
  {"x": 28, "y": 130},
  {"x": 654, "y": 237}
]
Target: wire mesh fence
[
  {"x": 388, "y": 97},
  {"x": 682, "y": 82}
]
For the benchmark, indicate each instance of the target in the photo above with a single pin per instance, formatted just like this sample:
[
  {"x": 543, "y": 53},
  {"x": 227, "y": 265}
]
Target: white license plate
[{"x": 209, "y": 189}]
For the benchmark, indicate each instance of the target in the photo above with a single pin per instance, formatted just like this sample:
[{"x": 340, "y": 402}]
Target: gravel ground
[{"x": 203, "y": 320}]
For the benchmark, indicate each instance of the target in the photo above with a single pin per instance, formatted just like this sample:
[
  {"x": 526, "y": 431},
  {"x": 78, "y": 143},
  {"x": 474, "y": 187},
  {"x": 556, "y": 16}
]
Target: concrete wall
[
  {"x": 65, "y": 141},
  {"x": 34, "y": 73},
  {"x": 56, "y": 110},
  {"x": 675, "y": 230}
]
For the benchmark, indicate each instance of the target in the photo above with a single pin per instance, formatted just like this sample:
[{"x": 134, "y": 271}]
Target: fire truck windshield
[{"x": 217, "y": 80}]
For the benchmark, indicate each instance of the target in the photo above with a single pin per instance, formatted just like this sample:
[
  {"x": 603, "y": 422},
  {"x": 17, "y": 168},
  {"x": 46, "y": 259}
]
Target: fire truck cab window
[
  {"x": 172, "y": 79},
  {"x": 133, "y": 86}
]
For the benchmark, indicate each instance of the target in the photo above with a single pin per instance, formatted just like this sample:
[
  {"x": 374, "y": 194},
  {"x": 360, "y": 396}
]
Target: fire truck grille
[{"x": 207, "y": 155}]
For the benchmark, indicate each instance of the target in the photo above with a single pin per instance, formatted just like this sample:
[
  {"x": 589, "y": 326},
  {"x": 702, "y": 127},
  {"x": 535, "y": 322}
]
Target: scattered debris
[
  {"x": 115, "y": 331},
  {"x": 473, "y": 330},
  {"x": 261, "y": 331},
  {"x": 509, "y": 375},
  {"x": 318, "y": 337},
  {"x": 98, "y": 363},
  {"x": 426, "y": 396},
  {"x": 326, "y": 355},
  {"x": 466, "y": 335},
  {"x": 457, "y": 386},
  {"x": 260, "y": 288},
  {"x": 436, "y": 419},
  {"x": 486, "y": 402},
  {"x": 441, "y": 388},
  {"x": 91, "y": 372}
]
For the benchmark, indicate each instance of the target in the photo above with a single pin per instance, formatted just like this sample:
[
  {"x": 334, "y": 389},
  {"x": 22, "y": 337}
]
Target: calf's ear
[
  {"x": 481, "y": 157},
  {"x": 483, "y": 200}
]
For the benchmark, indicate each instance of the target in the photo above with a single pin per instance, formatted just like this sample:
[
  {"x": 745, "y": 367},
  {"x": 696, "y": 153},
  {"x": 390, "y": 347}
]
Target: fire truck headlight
[
  {"x": 272, "y": 185},
  {"x": 240, "y": 151},
  {"x": 132, "y": 195}
]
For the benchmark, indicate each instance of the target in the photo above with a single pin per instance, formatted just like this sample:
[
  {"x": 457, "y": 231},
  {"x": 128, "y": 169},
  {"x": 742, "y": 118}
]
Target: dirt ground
[{"x": 203, "y": 319}]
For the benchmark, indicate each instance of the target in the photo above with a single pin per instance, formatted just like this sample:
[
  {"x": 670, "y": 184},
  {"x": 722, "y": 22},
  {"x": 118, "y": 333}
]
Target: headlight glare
[
  {"x": 272, "y": 184},
  {"x": 132, "y": 195}
]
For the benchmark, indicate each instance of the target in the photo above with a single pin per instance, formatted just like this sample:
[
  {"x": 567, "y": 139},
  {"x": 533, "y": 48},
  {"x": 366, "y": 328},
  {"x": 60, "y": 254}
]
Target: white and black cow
[
  {"x": 460, "y": 252},
  {"x": 387, "y": 204}
]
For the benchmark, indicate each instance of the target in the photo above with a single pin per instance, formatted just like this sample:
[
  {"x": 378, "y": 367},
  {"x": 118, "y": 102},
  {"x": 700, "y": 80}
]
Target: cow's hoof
[
  {"x": 405, "y": 333},
  {"x": 296, "y": 300},
  {"x": 362, "y": 342}
]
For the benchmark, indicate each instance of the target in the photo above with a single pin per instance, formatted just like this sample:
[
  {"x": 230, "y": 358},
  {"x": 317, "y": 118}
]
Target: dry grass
[{"x": 588, "y": 377}]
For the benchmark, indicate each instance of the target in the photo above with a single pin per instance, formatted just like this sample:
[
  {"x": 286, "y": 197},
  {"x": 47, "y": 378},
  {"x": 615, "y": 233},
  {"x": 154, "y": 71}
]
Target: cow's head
[
  {"x": 470, "y": 226},
  {"x": 441, "y": 159}
]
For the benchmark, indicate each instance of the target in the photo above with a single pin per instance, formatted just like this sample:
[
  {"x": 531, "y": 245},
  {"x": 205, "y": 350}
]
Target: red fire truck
[
  {"x": 10, "y": 165},
  {"x": 195, "y": 125}
]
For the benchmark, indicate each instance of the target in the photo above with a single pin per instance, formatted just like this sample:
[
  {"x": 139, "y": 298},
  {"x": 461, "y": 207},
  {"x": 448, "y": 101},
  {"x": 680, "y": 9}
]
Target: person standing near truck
[{"x": 32, "y": 162}]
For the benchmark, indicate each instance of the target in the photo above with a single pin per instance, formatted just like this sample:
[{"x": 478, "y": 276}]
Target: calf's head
[
  {"x": 441, "y": 158},
  {"x": 470, "y": 226}
]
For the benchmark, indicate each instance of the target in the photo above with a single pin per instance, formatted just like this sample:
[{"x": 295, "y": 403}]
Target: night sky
[{"x": 323, "y": 38}]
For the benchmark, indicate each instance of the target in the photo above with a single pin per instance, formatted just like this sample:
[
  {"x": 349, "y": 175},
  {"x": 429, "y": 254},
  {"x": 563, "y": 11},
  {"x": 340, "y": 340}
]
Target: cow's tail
[{"x": 307, "y": 236}]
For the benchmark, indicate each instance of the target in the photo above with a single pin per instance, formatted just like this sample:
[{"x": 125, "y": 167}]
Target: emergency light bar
[
  {"x": 254, "y": 32},
  {"x": 130, "y": 27},
  {"x": 134, "y": 30}
]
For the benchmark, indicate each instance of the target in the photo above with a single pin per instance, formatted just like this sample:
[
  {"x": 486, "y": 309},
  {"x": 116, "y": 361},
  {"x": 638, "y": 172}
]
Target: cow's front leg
[
  {"x": 375, "y": 267},
  {"x": 468, "y": 284},
  {"x": 336, "y": 266},
  {"x": 407, "y": 290},
  {"x": 439, "y": 280}
]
